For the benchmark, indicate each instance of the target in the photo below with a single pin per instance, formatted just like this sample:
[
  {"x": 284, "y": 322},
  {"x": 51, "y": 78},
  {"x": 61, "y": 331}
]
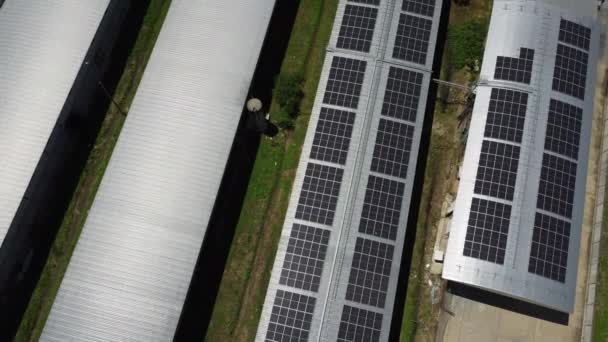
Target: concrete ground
[{"x": 466, "y": 320}]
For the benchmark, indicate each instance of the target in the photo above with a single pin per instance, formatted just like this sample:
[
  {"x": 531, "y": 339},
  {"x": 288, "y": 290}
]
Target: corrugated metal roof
[
  {"x": 536, "y": 27},
  {"x": 129, "y": 274},
  {"x": 40, "y": 55}
]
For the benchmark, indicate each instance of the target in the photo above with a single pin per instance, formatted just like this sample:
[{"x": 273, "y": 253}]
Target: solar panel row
[
  {"x": 551, "y": 235},
  {"x": 381, "y": 208}
]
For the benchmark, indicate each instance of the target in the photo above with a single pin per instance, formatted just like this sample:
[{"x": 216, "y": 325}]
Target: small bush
[
  {"x": 466, "y": 43},
  {"x": 288, "y": 92}
]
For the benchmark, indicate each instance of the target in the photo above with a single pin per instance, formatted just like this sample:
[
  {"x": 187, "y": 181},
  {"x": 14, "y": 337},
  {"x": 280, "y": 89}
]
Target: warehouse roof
[
  {"x": 40, "y": 55},
  {"x": 517, "y": 219},
  {"x": 131, "y": 269},
  {"x": 336, "y": 271}
]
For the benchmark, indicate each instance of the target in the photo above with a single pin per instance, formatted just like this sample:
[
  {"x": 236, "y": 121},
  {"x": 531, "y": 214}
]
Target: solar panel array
[
  {"x": 557, "y": 185},
  {"x": 570, "y": 76},
  {"x": 382, "y": 207},
  {"x": 422, "y": 7},
  {"x": 506, "y": 115},
  {"x": 359, "y": 325},
  {"x": 370, "y": 272},
  {"x": 322, "y": 228},
  {"x": 497, "y": 170},
  {"x": 564, "y": 129},
  {"x": 332, "y": 136},
  {"x": 305, "y": 257},
  {"x": 319, "y": 194},
  {"x": 357, "y": 28},
  {"x": 392, "y": 149},
  {"x": 574, "y": 34},
  {"x": 549, "y": 252},
  {"x": 291, "y": 317},
  {"x": 412, "y": 41},
  {"x": 345, "y": 82},
  {"x": 402, "y": 94},
  {"x": 515, "y": 69},
  {"x": 487, "y": 231}
]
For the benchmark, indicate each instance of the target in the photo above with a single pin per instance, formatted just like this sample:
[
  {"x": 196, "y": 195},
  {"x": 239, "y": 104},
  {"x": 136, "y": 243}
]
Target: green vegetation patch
[
  {"x": 42, "y": 299},
  {"x": 600, "y": 319},
  {"x": 466, "y": 42}
]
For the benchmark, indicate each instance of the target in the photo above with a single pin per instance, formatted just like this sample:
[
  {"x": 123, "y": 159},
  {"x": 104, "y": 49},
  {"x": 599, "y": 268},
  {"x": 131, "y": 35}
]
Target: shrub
[
  {"x": 288, "y": 92},
  {"x": 466, "y": 43}
]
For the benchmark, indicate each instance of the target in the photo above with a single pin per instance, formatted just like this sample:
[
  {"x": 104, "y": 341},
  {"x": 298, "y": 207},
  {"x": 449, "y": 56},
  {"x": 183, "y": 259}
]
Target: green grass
[
  {"x": 600, "y": 318},
  {"x": 466, "y": 43},
  {"x": 242, "y": 291},
  {"x": 67, "y": 236}
]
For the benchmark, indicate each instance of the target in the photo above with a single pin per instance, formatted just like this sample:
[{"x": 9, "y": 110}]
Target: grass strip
[
  {"x": 44, "y": 294},
  {"x": 243, "y": 288}
]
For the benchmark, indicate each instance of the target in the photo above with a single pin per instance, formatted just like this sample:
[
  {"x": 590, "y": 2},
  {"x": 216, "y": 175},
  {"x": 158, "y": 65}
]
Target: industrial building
[
  {"x": 55, "y": 57},
  {"x": 338, "y": 264},
  {"x": 131, "y": 269},
  {"x": 516, "y": 226}
]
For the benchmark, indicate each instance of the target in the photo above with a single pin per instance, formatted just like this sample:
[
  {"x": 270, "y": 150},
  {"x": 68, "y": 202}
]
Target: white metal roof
[
  {"x": 130, "y": 272},
  {"x": 533, "y": 25},
  {"x": 330, "y": 300},
  {"x": 40, "y": 55}
]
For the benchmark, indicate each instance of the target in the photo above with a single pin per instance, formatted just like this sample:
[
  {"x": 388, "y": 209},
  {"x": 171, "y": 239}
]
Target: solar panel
[
  {"x": 549, "y": 251},
  {"x": 506, "y": 115},
  {"x": 305, "y": 257},
  {"x": 574, "y": 34},
  {"x": 570, "y": 75},
  {"x": 515, "y": 69},
  {"x": 357, "y": 28},
  {"x": 358, "y": 325},
  {"x": 381, "y": 208},
  {"x": 345, "y": 82},
  {"x": 423, "y": 7},
  {"x": 392, "y": 149},
  {"x": 412, "y": 42},
  {"x": 291, "y": 317},
  {"x": 487, "y": 231},
  {"x": 497, "y": 170},
  {"x": 370, "y": 272},
  {"x": 369, "y": 2},
  {"x": 332, "y": 136},
  {"x": 402, "y": 94},
  {"x": 563, "y": 129},
  {"x": 319, "y": 194},
  {"x": 557, "y": 183}
]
